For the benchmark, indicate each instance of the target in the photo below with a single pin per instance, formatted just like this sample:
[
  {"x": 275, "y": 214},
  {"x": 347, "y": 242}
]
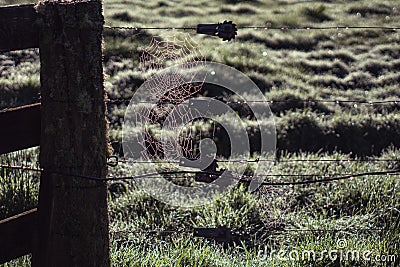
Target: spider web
[{"x": 169, "y": 92}]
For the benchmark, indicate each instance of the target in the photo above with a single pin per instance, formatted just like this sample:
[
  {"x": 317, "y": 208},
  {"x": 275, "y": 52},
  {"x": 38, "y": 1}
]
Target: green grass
[{"x": 295, "y": 66}]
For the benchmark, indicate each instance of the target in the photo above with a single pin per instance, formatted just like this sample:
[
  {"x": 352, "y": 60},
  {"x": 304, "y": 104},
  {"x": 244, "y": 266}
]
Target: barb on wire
[{"x": 226, "y": 30}]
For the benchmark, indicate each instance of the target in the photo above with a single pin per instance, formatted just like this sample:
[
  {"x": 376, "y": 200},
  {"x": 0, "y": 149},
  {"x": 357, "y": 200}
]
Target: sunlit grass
[{"x": 295, "y": 66}]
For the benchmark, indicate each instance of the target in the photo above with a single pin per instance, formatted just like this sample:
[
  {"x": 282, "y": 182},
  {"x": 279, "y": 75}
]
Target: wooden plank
[
  {"x": 17, "y": 235},
  {"x": 18, "y": 28},
  {"x": 20, "y": 128}
]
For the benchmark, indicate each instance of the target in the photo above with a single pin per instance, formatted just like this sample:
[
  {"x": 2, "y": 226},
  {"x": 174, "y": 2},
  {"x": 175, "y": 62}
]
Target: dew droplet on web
[{"x": 264, "y": 54}]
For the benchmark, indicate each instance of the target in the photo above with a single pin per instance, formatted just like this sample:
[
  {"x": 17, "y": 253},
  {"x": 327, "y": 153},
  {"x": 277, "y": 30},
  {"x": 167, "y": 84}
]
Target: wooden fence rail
[
  {"x": 20, "y": 128},
  {"x": 18, "y": 28},
  {"x": 17, "y": 235}
]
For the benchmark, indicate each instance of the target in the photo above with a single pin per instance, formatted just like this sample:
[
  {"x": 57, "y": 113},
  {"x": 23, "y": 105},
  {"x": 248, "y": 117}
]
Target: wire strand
[
  {"x": 310, "y": 101},
  {"x": 240, "y": 178},
  {"x": 264, "y": 27},
  {"x": 263, "y": 160}
]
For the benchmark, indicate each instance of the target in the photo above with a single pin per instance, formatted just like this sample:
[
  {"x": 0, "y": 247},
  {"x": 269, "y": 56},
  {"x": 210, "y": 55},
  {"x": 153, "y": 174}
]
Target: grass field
[{"x": 287, "y": 65}]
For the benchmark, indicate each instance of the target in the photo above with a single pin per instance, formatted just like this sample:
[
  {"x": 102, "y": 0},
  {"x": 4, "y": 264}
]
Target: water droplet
[
  {"x": 347, "y": 28},
  {"x": 212, "y": 72},
  {"x": 266, "y": 28},
  {"x": 308, "y": 28},
  {"x": 264, "y": 53},
  {"x": 355, "y": 106},
  {"x": 358, "y": 14}
]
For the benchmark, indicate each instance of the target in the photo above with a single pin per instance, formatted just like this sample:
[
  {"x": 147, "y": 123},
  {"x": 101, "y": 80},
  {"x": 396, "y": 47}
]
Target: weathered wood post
[{"x": 73, "y": 216}]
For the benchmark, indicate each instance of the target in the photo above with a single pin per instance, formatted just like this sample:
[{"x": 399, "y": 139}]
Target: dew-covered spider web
[{"x": 168, "y": 114}]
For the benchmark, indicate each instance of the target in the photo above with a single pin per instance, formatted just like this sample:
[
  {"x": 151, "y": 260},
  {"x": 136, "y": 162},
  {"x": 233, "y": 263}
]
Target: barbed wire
[
  {"x": 114, "y": 160},
  {"x": 132, "y": 161},
  {"x": 241, "y": 178},
  {"x": 263, "y": 27},
  {"x": 272, "y": 101}
]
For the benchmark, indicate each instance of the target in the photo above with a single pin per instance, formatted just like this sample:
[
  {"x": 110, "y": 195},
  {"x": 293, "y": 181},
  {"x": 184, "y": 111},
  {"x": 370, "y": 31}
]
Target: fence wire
[
  {"x": 263, "y": 27},
  {"x": 324, "y": 178},
  {"x": 276, "y": 161}
]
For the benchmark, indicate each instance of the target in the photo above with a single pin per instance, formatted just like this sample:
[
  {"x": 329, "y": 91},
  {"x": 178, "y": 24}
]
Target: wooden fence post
[{"x": 72, "y": 212}]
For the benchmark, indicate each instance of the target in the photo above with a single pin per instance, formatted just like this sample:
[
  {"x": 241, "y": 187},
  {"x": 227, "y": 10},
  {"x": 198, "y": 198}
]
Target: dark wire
[
  {"x": 264, "y": 27},
  {"x": 311, "y": 101},
  {"x": 261, "y": 160},
  {"x": 240, "y": 178}
]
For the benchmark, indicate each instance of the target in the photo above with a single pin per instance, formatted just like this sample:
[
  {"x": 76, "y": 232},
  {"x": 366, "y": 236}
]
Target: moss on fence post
[{"x": 73, "y": 216}]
